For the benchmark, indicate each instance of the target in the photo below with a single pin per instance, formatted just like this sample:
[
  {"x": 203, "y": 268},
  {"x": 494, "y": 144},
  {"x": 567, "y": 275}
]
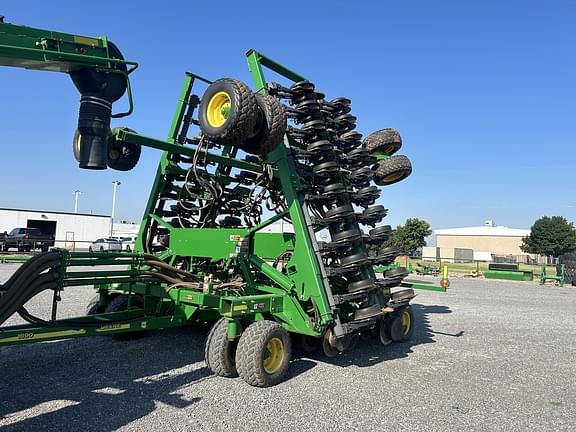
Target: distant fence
[
  {"x": 71, "y": 245},
  {"x": 499, "y": 259}
]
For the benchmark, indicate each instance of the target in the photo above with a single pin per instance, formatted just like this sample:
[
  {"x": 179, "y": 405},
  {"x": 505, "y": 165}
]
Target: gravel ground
[{"x": 485, "y": 356}]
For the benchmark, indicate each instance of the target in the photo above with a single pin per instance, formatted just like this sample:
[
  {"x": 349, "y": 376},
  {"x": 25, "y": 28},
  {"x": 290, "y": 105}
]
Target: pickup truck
[{"x": 26, "y": 239}]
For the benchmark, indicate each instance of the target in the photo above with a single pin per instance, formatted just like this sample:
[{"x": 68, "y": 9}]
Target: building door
[
  {"x": 46, "y": 226},
  {"x": 70, "y": 244}
]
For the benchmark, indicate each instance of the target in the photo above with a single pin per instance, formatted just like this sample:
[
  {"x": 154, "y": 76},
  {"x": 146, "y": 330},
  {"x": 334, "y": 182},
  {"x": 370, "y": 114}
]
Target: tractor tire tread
[
  {"x": 249, "y": 355},
  {"x": 244, "y": 121},
  {"x": 384, "y": 141},
  {"x": 397, "y": 164},
  {"x": 217, "y": 351},
  {"x": 272, "y": 132}
]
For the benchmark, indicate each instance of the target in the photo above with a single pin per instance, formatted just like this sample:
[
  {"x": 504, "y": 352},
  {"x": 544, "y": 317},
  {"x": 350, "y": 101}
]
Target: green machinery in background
[
  {"x": 236, "y": 164},
  {"x": 559, "y": 278},
  {"x": 507, "y": 272}
]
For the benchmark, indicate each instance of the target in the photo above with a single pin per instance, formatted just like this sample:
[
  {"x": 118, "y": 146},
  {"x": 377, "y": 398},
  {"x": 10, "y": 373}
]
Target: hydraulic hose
[{"x": 36, "y": 275}]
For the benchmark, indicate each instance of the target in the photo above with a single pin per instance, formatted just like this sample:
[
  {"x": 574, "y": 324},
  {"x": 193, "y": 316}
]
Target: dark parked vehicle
[
  {"x": 26, "y": 239},
  {"x": 2, "y": 242}
]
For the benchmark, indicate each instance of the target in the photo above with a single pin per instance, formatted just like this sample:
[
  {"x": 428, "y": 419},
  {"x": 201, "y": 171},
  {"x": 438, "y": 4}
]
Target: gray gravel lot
[{"x": 486, "y": 356}]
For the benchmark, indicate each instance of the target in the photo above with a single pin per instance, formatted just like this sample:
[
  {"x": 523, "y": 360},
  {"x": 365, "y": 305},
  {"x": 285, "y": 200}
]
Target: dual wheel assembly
[
  {"x": 261, "y": 356},
  {"x": 231, "y": 114}
]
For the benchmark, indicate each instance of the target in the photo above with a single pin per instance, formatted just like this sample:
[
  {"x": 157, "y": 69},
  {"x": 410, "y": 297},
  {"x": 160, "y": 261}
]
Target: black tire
[
  {"x": 101, "y": 249},
  {"x": 271, "y": 129},
  {"x": 385, "y": 141},
  {"x": 383, "y": 331},
  {"x": 392, "y": 170},
  {"x": 263, "y": 354},
  {"x": 93, "y": 306},
  {"x": 240, "y": 121},
  {"x": 119, "y": 303},
  {"x": 122, "y": 156},
  {"x": 402, "y": 325},
  {"x": 128, "y": 248},
  {"x": 219, "y": 352},
  {"x": 90, "y": 249}
]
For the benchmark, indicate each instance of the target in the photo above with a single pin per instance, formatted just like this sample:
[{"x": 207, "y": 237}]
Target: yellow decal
[
  {"x": 240, "y": 308},
  {"x": 86, "y": 41},
  {"x": 111, "y": 327},
  {"x": 39, "y": 336}
]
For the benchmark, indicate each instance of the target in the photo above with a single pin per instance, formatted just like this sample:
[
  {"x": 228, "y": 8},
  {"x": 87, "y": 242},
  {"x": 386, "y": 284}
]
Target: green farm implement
[{"x": 235, "y": 164}]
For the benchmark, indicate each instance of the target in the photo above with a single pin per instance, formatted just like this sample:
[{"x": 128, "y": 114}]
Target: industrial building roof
[
  {"x": 487, "y": 231},
  {"x": 53, "y": 212}
]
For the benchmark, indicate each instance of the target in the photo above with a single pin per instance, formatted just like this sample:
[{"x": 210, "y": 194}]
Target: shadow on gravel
[
  {"x": 107, "y": 384},
  {"x": 368, "y": 350}
]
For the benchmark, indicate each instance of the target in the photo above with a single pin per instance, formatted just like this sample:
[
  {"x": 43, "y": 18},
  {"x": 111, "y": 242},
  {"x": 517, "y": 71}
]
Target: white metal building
[{"x": 70, "y": 230}]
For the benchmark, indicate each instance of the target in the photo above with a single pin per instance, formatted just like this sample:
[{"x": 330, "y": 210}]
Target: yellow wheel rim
[
  {"x": 406, "y": 322},
  {"x": 218, "y": 109},
  {"x": 274, "y": 356},
  {"x": 394, "y": 176}
]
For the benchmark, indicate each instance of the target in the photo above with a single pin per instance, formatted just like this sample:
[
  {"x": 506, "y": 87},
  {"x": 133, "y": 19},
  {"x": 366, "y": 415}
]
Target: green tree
[
  {"x": 550, "y": 236},
  {"x": 410, "y": 236}
]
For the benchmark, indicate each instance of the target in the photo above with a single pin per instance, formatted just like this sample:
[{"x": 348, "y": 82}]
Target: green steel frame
[
  {"x": 300, "y": 299},
  {"x": 37, "y": 49},
  {"x": 291, "y": 300}
]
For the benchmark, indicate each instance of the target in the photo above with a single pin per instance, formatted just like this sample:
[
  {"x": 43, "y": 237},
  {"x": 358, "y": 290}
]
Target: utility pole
[
  {"x": 115, "y": 185},
  {"x": 76, "y": 194}
]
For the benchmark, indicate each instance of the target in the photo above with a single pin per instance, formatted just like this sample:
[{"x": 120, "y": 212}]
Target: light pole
[
  {"x": 76, "y": 194},
  {"x": 115, "y": 184}
]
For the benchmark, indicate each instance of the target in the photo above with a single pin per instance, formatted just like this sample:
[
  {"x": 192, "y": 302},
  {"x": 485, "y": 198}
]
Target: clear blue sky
[{"x": 483, "y": 93}]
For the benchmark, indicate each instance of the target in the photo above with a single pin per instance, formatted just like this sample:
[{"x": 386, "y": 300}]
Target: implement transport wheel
[
  {"x": 93, "y": 306},
  {"x": 122, "y": 156},
  {"x": 119, "y": 304},
  {"x": 228, "y": 112},
  {"x": 271, "y": 127},
  {"x": 263, "y": 354},
  {"x": 402, "y": 325},
  {"x": 384, "y": 331},
  {"x": 392, "y": 170},
  {"x": 328, "y": 344},
  {"x": 220, "y": 352},
  {"x": 385, "y": 141}
]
